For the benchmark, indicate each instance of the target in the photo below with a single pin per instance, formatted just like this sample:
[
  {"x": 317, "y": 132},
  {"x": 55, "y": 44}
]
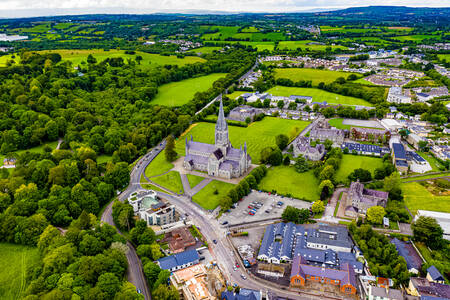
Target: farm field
[
  {"x": 317, "y": 95},
  {"x": 285, "y": 180},
  {"x": 14, "y": 260},
  {"x": 258, "y": 135},
  {"x": 181, "y": 92},
  {"x": 194, "y": 180},
  {"x": 171, "y": 181},
  {"x": 207, "y": 198},
  {"x": 418, "y": 197},
  {"x": 315, "y": 75},
  {"x": 415, "y": 38},
  {"x": 440, "y": 56},
  {"x": 292, "y": 45},
  {"x": 223, "y": 32},
  {"x": 351, "y": 162}
]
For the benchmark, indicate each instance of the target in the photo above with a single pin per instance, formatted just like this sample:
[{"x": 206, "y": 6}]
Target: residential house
[
  {"x": 428, "y": 289},
  {"x": 179, "y": 261},
  {"x": 379, "y": 293},
  {"x": 434, "y": 275}
]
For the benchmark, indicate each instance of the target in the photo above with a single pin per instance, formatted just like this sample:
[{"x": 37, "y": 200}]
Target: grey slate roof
[
  {"x": 408, "y": 253},
  {"x": 179, "y": 259},
  {"x": 435, "y": 274},
  {"x": 330, "y": 235},
  {"x": 386, "y": 293}
]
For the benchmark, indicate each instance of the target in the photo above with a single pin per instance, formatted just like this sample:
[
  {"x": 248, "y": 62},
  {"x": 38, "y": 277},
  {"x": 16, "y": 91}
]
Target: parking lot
[{"x": 267, "y": 207}]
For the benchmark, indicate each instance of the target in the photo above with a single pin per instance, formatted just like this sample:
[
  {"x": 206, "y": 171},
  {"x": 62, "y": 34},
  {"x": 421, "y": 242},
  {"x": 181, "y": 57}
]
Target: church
[{"x": 220, "y": 159}]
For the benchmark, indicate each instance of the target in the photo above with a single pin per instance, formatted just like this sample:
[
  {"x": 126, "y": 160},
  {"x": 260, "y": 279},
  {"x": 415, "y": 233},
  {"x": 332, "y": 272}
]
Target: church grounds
[
  {"x": 351, "y": 162},
  {"x": 208, "y": 198}
]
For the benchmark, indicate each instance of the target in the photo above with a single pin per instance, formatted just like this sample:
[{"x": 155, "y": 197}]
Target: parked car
[
  {"x": 243, "y": 276},
  {"x": 250, "y": 207},
  {"x": 251, "y": 213},
  {"x": 215, "y": 241},
  {"x": 237, "y": 265},
  {"x": 224, "y": 223}
]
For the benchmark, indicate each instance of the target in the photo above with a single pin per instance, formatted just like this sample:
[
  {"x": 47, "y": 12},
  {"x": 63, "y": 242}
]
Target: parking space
[{"x": 259, "y": 206}]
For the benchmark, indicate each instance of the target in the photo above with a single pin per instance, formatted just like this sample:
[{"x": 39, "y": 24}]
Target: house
[
  {"x": 434, "y": 275},
  {"x": 443, "y": 220},
  {"x": 344, "y": 277},
  {"x": 220, "y": 159},
  {"x": 241, "y": 113},
  {"x": 150, "y": 208},
  {"x": 362, "y": 199},
  {"x": 407, "y": 251},
  {"x": 192, "y": 282},
  {"x": 379, "y": 293},
  {"x": 179, "y": 239},
  {"x": 9, "y": 162},
  {"x": 244, "y": 294},
  {"x": 428, "y": 289},
  {"x": 179, "y": 261},
  {"x": 301, "y": 146},
  {"x": 396, "y": 96},
  {"x": 369, "y": 134}
]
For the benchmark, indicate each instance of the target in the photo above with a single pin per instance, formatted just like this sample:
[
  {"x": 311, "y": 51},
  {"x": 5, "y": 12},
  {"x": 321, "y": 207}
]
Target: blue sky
[{"x": 25, "y": 8}]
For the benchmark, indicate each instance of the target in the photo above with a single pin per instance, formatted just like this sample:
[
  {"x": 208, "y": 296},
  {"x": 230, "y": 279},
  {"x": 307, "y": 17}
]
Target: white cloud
[{"x": 17, "y": 8}]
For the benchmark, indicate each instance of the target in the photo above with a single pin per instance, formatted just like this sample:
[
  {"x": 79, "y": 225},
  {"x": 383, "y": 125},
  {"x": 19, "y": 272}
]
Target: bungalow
[{"x": 179, "y": 261}]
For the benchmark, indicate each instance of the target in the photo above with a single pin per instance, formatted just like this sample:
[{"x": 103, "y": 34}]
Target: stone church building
[{"x": 220, "y": 159}]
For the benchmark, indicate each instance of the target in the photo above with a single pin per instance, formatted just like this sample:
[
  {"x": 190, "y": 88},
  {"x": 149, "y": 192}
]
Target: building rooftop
[
  {"x": 399, "y": 151},
  {"x": 406, "y": 250},
  {"x": 435, "y": 274},
  {"x": 386, "y": 293},
  {"x": 182, "y": 258}
]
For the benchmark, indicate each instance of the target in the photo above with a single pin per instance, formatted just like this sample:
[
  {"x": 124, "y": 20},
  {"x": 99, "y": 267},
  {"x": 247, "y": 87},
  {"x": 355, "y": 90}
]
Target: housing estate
[
  {"x": 220, "y": 159},
  {"x": 360, "y": 199},
  {"x": 150, "y": 208},
  {"x": 179, "y": 261},
  {"x": 302, "y": 146}
]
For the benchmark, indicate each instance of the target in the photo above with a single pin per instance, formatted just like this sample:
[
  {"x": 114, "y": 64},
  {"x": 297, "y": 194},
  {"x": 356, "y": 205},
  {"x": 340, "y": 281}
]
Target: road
[{"x": 135, "y": 272}]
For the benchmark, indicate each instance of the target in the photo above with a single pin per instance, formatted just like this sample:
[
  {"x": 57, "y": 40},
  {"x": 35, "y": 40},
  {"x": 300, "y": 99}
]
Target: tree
[
  {"x": 423, "y": 146},
  {"x": 361, "y": 175},
  {"x": 151, "y": 271},
  {"x": 282, "y": 141},
  {"x": 286, "y": 160},
  {"x": 301, "y": 164},
  {"x": 375, "y": 214},
  {"x": 156, "y": 251},
  {"x": 280, "y": 104},
  {"x": 428, "y": 230},
  {"x": 170, "y": 152},
  {"x": 91, "y": 59},
  {"x": 328, "y": 144},
  {"x": 276, "y": 157},
  {"x": 393, "y": 181},
  {"x": 296, "y": 215},
  {"x": 326, "y": 188},
  {"x": 318, "y": 207},
  {"x": 109, "y": 283},
  {"x": 163, "y": 292},
  {"x": 327, "y": 173}
]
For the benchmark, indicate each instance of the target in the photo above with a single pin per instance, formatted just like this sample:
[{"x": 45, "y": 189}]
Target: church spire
[{"x": 221, "y": 122}]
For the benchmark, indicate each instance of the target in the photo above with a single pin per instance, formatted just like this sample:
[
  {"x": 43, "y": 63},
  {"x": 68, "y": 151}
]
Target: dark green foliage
[
  {"x": 301, "y": 165},
  {"x": 282, "y": 141},
  {"x": 123, "y": 215},
  {"x": 169, "y": 151},
  {"x": 427, "y": 230},
  {"x": 361, "y": 175},
  {"x": 296, "y": 215}
]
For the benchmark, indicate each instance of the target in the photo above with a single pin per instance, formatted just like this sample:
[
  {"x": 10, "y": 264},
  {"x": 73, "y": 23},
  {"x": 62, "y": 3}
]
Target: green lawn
[
  {"x": 317, "y": 95},
  {"x": 351, "y": 162},
  {"x": 285, "y": 180},
  {"x": 158, "y": 165},
  {"x": 149, "y": 186},
  {"x": 14, "y": 260},
  {"x": 293, "y": 45},
  {"x": 315, "y": 75},
  {"x": 171, "y": 181},
  {"x": 38, "y": 149},
  {"x": 337, "y": 122},
  {"x": 258, "y": 135},
  {"x": 425, "y": 177},
  {"x": 364, "y": 82},
  {"x": 417, "y": 197},
  {"x": 101, "y": 159},
  {"x": 181, "y": 92},
  {"x": 194, "y": 180},
  {"x": 235, "y": 94},
  {"x": 207, "y": 199}
]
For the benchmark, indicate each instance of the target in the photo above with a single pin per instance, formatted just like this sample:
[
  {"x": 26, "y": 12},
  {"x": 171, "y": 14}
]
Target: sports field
[
  {"x": 351, "y": 162},
  {"x": 417, "y": 197},
  {"x": 293, "y": 45},
  {"x": 181, "y": 92},
  {"x": 285, "y": 180},
  {"x": 14, "y": 260},
  {"x": 258, "y": 135},
  {"x": 317, "y": 95},
  {"x": 207, "y": 198},
  {"x": 315, "y": 75}
]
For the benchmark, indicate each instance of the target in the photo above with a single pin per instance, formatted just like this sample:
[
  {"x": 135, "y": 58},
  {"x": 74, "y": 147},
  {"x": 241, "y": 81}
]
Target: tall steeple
[{"x": 221, "y": 135}]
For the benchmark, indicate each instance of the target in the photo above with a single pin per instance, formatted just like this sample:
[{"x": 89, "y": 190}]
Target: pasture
[
  {"x": 418, "y": 197},
  {"x": 14, "y": 261},
  {"x": 258, "y": 135},
  {"x": 416, "y": 37},
  {"x": 445, "y": 57},
  {"x": 208, "y": 198},
  {"x": 317, "y": 95},
  {"x": 205, "y": 50},
  {"x": 285, "y": 180},
  {"x": 293, "y": 45},
  {"x": 351, "y": 162},
  {"x": 181, "y": 92},
  {"x": 315, "y": 75}
]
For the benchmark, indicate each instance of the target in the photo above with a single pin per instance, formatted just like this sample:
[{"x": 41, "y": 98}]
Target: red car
[
  {"x": 251, "y": 213},
  {"x": 237, "y": 265},
  {"x": 250, "y": 207}
]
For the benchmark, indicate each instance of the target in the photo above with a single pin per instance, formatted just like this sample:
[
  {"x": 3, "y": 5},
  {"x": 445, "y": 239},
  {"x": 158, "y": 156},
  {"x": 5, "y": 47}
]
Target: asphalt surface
[{"x": 135, "y": 272}]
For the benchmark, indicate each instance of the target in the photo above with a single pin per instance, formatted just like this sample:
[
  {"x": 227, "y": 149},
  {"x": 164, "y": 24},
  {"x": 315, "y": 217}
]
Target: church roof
[
  {"x": 201, "y": 147},
  {"x": 218, "y": 154},
  {"x": 221, "y": 122}
]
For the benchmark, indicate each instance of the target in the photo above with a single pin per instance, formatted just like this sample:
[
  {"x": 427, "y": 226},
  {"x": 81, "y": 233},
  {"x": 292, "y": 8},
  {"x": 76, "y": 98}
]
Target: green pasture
[
  {"x": 181, "y": 92},
  {"x": 293, "y": 45},
  {"x": 251, "y": 35},
  {"x": 14, "y": 261},
  {"x": 418, "y": 197},
  {"x": 416, "y": 37},
  {"x": 235, "y": 94},
  {"x": 260, "y": 46},
  {"x": 258, "y": 135},
  {"x": 207, "y": 198},
  {"x": 317, "y": 95},
  {"x": 351, "y": 162},
  {"x": 315, "y": 75},
  {"x": 223, "y": 33},
  {"x": 285, "y": 180}
]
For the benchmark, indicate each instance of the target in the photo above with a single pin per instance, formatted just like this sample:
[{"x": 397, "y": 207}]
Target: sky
[{"x": 29, "y": 8}]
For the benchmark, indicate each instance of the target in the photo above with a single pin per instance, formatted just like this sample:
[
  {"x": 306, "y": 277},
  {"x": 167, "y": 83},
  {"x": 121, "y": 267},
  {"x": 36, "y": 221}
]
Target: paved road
[{"x": 135, "y": 272}]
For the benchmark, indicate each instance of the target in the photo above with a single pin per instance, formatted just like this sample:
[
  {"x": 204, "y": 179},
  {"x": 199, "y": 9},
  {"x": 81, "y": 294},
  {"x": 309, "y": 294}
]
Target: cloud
[{"x": 18, "y": 8}]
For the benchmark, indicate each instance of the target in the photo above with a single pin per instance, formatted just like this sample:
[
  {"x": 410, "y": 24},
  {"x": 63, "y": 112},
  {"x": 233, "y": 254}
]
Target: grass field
[
  {"x": 194, "y": 180},
  {"x": 351, "y": 162},
  {"x": 235, "y": 94},
  {"x": 260, "y": 46},
  {"x": 258, "y": 135},
  {"x": 416, "y": 38},
  {"x": 425, "y": 177},
  {"x": 317, "y": 95},
  {"x": 207, "y": 199},
  {"x": 158, "y": 165},
  {"x": 417, "y": 197},
  {"x": 445, "y": 57},
  {"x": 14, "y": 260},
  {"x": 364, "y": 82},
  {"x": 435, "y": 165},
  {"x": 293, "y": 45},
  {"x": 181, "y": 92},
  {"x": 337, "y": 122},
  {"x": 315, "y": 75},
  {"x": 205, "y": 50},
  {"x": 223, "y": 32},
  {"x": 285, "y": 180},
  {"x": 171, "y": 181}
]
